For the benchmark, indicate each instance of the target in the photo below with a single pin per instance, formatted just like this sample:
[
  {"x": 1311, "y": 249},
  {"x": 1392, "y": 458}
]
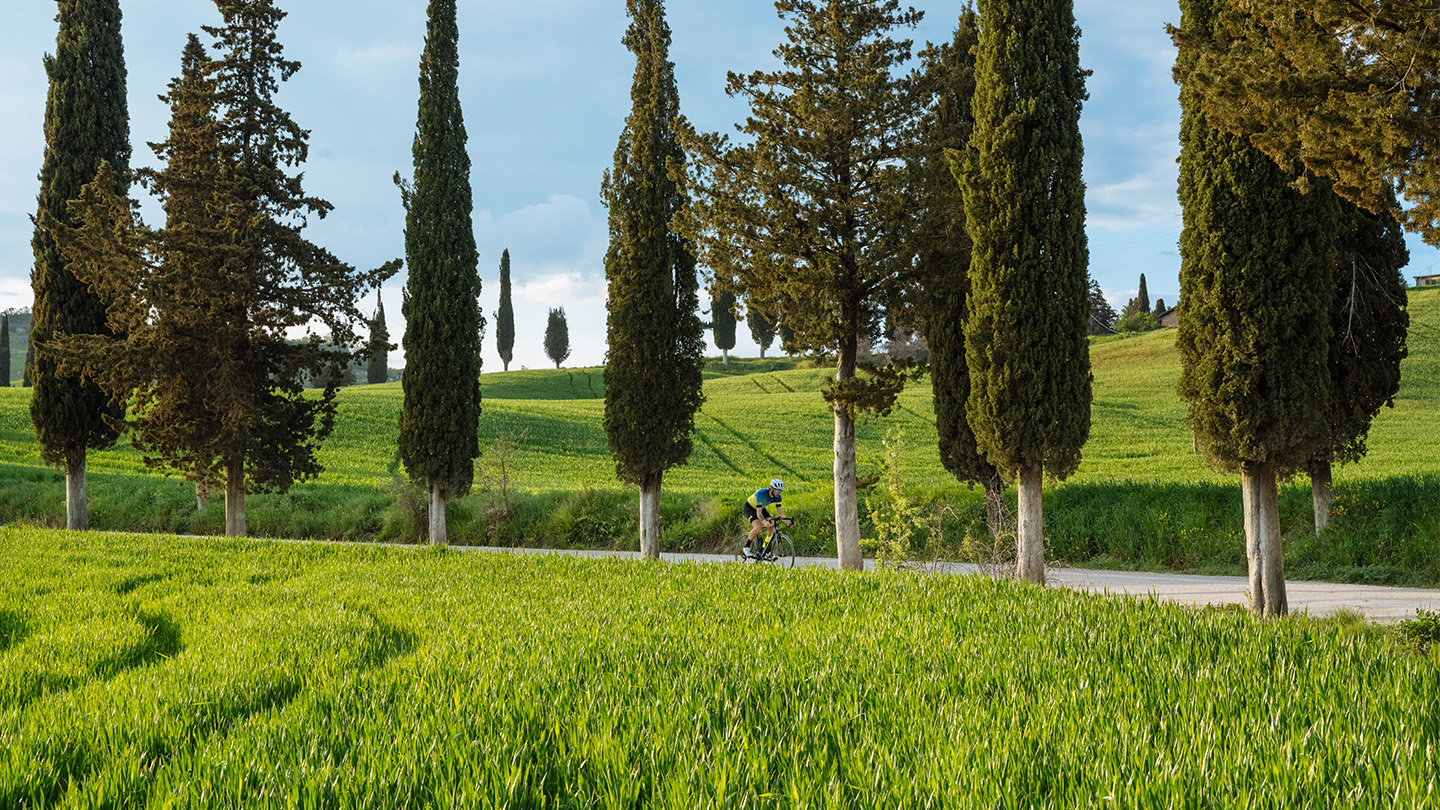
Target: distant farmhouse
[
  {"x": 1169, "y": 318},
  {"x": 1427, "y": 281}
]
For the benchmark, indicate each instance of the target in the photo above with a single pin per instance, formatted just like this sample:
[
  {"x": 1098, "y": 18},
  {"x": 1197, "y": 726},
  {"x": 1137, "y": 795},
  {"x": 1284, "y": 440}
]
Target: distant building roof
[{"x": 1427, "y": 281}]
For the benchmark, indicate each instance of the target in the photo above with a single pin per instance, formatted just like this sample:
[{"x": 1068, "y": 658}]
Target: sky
[{"x": 545, "y": 90}]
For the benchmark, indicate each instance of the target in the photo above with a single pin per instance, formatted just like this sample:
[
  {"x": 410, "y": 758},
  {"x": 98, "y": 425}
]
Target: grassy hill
[{"x": 1140, "y": 497}]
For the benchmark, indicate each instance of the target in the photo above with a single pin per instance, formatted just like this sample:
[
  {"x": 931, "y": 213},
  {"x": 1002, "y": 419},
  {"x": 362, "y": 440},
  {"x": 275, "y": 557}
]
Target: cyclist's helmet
[{"x": 777, "y": 485}]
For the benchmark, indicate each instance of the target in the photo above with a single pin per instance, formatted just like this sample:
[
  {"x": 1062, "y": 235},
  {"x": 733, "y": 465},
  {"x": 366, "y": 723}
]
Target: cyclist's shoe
[{"x": 747, "y": 553}]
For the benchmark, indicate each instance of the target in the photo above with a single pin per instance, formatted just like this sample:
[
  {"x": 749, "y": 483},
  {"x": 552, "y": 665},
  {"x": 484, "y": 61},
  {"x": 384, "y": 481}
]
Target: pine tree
[
  {"x": 1254, "y": 332},
  {"x": 1349, "y": 88},
  {"x": 1102, "y": 315},
  {"x": 1026, "y": 345},
  {"x": 722, "y": 322},
  {"x": 944, "y": 257},
  {"x": 812, "y": 209},
  {"x": 5, "y": 350},
  {"x": 505, "y": 316},
  {"x": 207, "y": 347},
  {"x": 1368, "y": 324},
  {"x": 1142, "y": 298},
  {"x": 656, "y": 343},
  {"x": 557, "y": 336},
  {"x": 377, "y": 368},
  {"x": 762, "y": 329},
  {"x": 87, "y": 124},
  {"x": 439, "y": 427}
]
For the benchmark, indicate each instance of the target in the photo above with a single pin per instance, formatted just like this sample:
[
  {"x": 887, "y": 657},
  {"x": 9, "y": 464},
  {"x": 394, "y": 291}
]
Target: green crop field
[
  {"x": 162, "y": 671},
  {"x": 1140, "y": 497}
]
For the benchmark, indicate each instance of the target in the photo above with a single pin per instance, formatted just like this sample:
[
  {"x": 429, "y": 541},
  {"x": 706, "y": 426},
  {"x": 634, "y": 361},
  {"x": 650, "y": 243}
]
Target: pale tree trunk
[
  {"x": 762, "y": 351},
  {"x": 1322, "y": 493},
  {"x": 437, "y": 516},
  {"x": 650, "y": 517},
  {"x": 235, "y": 498},
  {"x": 995, "y": 518},
  {"x": 724, "y": 357},
  {"x": 1263, "y": 547},
  {"x": 847, "y": 511},
  {"x": 202, "y": 498},
  {"x": 1030, "y": 551},
  {"x": 77, "y": 505}
]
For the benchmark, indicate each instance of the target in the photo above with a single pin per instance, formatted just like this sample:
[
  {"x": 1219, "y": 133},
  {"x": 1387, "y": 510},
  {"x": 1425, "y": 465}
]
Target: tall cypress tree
[
  {"x": 439, "y": 427},
  {"x": 944, "y": 256},
  {"x": 813, "y": 209},
  {"x": 87, "y": 123},
  {"x": 5, "y": 350},
  {"x": 656, "y": 343},
  {"x": 1257, "y": 256},
  {"x": 762, "y": 328},
  {"x": 722, "y": 322},
  {"x": 1142, "y": 298},
  {"x": 505, "y": 316},
  {"x": 557, "y": 336},
  {"x": 1029, "y": 403},
  {"x": 1368, "y": 323},
  {"x": 377, "y": 367}
]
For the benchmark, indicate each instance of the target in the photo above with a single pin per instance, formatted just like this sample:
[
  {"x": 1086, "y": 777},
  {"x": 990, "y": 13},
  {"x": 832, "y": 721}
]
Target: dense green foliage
[
  {"x": 87, "y": 124},
  {"x": 1254, "y": 331},
  {"x": 944, "y": 250},
  {"x": 1142, "y": 298},
  {"x": 219, "y": 673},
  {"x": 5, "y": 350},
  {"x": 1029, "y": 404},
  {"x": 1102, "y": 315},
  {"x": 557, "y": 336},
  {"x": 377, "y": 369},
  {"x": 722, "y": 320},
  {"x": 1368, "y": 325},
  {"x": 1349, "y": 88},
  {"x": 655, "y": 342},
  {"x": 762, "y": 328},
  {"x": 505, "y": 316},
  {"x": 438, "y": 433}
]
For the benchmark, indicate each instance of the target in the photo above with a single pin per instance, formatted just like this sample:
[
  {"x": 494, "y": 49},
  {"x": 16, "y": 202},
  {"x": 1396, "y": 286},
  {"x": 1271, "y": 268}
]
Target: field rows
[{"x": 211, "y": 673}]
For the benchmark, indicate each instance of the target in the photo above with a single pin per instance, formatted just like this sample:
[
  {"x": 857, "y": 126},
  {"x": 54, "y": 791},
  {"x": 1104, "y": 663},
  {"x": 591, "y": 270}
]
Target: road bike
[{"x": 774, "y": 548}]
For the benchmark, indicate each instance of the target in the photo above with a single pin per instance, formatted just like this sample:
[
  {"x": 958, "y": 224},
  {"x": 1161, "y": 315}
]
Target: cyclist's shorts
[{"x": 751, "y": 514}]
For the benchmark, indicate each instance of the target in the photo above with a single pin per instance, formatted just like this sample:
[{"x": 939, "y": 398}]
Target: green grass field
[
  {"x": 161, "y": 671},
  {"x": 1140, "y": 497}
]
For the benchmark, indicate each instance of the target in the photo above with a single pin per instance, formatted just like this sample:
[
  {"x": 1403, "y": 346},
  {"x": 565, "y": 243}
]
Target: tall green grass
[
  {"x": 159, "y": 671},
  {"x": 1141, "y": 497}
]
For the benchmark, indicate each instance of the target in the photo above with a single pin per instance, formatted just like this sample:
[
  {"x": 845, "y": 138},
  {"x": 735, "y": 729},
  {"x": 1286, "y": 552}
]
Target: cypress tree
[
  {"x": 439, "y": 427},
  {"x": 377, "y": 368},
  {"x": 1142, "y": 298},
  {"x": 5, "y": 350},
  {"x": 557, "y": 336},
  {"x": 1159, "y": 307},
  {"x": 1102, "y": 315},
  {"x": 944, "y": 256},
  {"x": 762, "y": 328},
  {"x": 722, "y": 323},
  {"x": 812, "y": 211},
  {"x": 505, "y": 316},
  {"x": 656, "y": 342},
  {"x": 1256, "y": 255},
  {"x": 87, "y": 124},
  {"x": 29, "y": 361},
  {"x": 1368, "y": 324},
  {"x": 1026, "y": 345}
]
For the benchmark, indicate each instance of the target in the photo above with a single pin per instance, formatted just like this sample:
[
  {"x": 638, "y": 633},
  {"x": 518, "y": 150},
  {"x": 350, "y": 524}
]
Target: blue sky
[{"x": 545, "y": 89}]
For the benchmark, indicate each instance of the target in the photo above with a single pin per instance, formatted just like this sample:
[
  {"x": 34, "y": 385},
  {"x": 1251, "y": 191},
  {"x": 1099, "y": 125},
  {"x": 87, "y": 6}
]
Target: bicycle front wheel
[{"x": 780, "y": 551}]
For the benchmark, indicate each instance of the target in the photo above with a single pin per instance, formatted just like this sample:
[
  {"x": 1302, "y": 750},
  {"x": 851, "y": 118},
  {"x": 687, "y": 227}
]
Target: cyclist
[{"x": 757, "y": 508}]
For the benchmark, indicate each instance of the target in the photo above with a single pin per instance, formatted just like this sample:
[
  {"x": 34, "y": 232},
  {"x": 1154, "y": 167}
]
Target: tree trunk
[
  {"x": 1322, "y": 493},
  {"x": 995, "y": 518},
  {"x": 762, "y": 351},
  {"x": 847, "y": 512},
  {"x": 235, "y": 498},
  {"x": 202, "y": 498},
  {"x": 77, "y": 505},
  {"x": 1030, "y": 552},
  {"x": 1263, "y": 546},
  {"x": 437, "y": 516},
  {"x": 650, "y": 517},
  {"x": 724, "y": 357}
]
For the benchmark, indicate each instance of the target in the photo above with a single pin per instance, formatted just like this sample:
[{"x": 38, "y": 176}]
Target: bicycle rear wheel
[{"x": 780, "y": 551}]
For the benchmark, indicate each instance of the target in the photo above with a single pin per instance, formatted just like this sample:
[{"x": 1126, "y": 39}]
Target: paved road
[{"x": 1317, "y": 598}]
